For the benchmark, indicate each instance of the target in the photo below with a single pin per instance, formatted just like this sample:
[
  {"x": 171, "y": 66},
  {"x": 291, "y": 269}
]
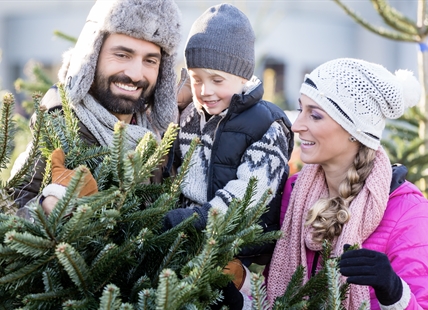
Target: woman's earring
[{"x": 352, "y": 139}]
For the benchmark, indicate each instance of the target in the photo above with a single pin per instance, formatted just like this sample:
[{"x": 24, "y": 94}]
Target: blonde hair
[
  {"x": 328, "y": 215},
  {"x": 225, "y": 75}
]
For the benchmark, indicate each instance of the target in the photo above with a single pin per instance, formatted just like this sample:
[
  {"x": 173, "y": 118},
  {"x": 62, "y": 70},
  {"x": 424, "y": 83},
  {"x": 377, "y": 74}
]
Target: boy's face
[{"x": 213, "y": 90}]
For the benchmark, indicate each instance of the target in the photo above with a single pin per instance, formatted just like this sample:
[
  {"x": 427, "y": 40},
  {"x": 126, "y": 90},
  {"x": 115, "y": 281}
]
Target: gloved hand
[
  {"x": 367, "y": 267},
  {"x": 237, "y": 270},
  {"x": 232, "y": 298},
  {"x": 62, "y": 176},
  {"x": 176, "y": 216}
]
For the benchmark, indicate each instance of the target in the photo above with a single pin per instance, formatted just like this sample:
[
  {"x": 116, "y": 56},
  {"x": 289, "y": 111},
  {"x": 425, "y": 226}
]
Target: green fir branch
[
  {"x": 7, "y": 130},
  {"x": 25, "y": 274},
  {"x": 25, "y": 170},
  {"x": 64, "y": 206},
  {"x": 110, "y": 299},
  {"x": 111, "y": 261},
  {"x": 160, "y": 152},
  {"x": 168, "y": 289},
  {"x": 51, "y": 280},
  {"x": 130, "y": 172},
  {"x": 147, "y": 299},
  {"x": 75, "y": 266},
  {"x": 83, "y": 304},
  {"x": 146, "y": 147},
  {"x": 258, "y": 293},
  {"x": 140, "y": 284},
  {"x": 8, "y": 255},
  {"x": 333, "y": 278},
  {"x": 46, "y": 300},
  {"x": 72, "y": 229},
  {"x": 117, "y": 151},
  {"x": 175, "y": 188},
  {"x": 169, "y": 257},
  {"x": 27, "y": 244},
  {"x": 41, "y": 220},
  {"x": 72, "y": 136}
]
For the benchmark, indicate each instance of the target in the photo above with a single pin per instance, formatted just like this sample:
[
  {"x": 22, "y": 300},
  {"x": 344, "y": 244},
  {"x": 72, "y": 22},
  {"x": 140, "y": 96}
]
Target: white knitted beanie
[
  {"x": 360, "y": 95},
  {"x": 156, "y": 21}
]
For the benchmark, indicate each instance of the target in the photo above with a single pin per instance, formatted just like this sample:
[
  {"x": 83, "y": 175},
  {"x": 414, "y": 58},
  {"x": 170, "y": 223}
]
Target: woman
[{"x": 342, "y": 194}]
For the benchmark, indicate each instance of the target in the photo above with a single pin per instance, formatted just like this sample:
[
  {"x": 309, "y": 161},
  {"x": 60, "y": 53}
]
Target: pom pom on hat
[{"x": 411, "y": 88}]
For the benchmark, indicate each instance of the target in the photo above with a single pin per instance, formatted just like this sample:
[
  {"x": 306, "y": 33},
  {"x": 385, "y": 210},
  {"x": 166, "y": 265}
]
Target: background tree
[{"x": 412, "y": 148}]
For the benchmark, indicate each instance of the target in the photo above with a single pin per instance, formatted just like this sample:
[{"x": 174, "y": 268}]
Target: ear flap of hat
[
  {"x": 78, "y": 69},
  {"x": 165, "y": 108}
]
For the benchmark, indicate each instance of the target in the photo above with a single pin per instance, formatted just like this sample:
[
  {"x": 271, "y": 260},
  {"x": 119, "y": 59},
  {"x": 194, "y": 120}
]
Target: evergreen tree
[{"x": 109, "y": 250}]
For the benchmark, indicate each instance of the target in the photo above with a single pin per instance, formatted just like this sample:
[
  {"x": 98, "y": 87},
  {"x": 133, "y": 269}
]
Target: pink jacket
[{"x": 402, "y": 235}]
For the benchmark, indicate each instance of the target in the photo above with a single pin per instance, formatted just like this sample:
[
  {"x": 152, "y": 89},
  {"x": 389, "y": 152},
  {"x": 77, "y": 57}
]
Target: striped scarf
[{"x": 100, "y": 123}]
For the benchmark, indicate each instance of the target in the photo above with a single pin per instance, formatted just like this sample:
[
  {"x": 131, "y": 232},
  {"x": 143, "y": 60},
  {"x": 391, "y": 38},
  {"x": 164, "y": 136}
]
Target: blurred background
[{"x": 292, "y": 38}]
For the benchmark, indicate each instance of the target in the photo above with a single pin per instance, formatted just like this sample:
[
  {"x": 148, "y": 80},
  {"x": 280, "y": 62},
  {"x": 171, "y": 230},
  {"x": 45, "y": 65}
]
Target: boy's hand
[
  {"x": 176, "y": 216},
  {"x": 367, "y": 267}
]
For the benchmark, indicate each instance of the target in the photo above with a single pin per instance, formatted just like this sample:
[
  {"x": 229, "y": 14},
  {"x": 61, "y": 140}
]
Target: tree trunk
[{"x": 423, "y": 79}]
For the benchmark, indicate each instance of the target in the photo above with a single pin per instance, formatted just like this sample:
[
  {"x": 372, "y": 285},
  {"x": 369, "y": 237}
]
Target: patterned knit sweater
[{"x": 265, "y": 159}]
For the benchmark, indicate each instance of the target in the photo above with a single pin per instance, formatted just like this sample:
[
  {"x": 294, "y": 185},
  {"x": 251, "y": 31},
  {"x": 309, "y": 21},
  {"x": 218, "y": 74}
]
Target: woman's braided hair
[{"x": 328, "y": 215}]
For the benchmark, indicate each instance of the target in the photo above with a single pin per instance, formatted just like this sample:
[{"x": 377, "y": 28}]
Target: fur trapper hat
[
  {"x": 361, "y": 95},
  {"x": 156, "y": 21}
]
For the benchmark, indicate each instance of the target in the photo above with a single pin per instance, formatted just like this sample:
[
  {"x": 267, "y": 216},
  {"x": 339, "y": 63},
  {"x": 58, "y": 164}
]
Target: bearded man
[{"x": 121, "y": 68}]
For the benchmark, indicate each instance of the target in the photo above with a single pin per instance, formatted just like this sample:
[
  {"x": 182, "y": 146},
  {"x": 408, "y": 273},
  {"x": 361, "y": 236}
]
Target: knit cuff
[
  {"x": 219, "y": 204},
  {"x": 403, "y": 302},
  {"x": 55, "y": 190},
  {"x": 246, "y": 287},
  {"x": 248, "y": 302}
]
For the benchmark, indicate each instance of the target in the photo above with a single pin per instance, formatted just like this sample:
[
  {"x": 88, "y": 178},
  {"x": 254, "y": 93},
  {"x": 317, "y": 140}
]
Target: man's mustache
[{"x": 124, "y": 79}]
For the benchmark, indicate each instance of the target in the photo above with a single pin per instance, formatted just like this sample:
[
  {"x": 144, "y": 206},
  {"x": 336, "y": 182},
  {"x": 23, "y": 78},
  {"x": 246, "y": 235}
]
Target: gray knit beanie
[
  {"x": 222, "y": 39},
  {"x": 156, "y": 21},
  {"x": 361, "y": 95}
]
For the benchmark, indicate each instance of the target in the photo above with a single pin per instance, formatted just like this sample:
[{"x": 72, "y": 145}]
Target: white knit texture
[
  {"x": 55, "y": 190},
  {"x": 360, "y": 95}
]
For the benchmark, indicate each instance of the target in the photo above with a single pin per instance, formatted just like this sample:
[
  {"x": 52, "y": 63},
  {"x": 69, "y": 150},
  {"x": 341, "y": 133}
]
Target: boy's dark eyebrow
[{"x": 132, "y": 51}]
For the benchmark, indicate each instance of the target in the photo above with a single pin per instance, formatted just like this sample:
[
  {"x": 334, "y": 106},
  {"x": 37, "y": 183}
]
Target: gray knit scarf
[{"x": 100, "y": 123}]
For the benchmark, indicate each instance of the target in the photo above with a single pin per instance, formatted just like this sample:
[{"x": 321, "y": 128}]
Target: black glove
[
  {"x": 176, "y": 216},
  {"x": 232, "y": 298},
  {"x": 367, "y": 267}
]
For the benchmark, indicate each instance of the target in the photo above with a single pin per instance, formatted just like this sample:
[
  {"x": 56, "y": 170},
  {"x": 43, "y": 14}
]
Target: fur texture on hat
[
  {"x": 156, "y": 21},
  {"x": 360, "y": 95},
  {"x": 222, "y": 39}
]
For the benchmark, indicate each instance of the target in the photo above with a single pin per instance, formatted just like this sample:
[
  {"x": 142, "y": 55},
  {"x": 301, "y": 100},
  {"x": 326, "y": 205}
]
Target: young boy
[{"x": 241, "y": 135}]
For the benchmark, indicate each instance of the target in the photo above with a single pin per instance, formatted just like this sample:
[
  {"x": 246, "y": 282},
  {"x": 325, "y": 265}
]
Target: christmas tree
[{"x": 109, "y": 250}]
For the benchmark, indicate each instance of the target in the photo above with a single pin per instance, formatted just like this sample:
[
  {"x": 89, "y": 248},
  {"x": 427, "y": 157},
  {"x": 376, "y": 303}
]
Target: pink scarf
[{"x": 366, "y": 210}]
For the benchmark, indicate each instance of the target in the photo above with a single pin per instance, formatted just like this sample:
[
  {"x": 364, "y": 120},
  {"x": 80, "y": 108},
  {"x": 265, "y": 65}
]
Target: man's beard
[{"x": 120, "y": 104}]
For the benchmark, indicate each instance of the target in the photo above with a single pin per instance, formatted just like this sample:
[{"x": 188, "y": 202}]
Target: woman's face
[{"x": 323, "y": 141}]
